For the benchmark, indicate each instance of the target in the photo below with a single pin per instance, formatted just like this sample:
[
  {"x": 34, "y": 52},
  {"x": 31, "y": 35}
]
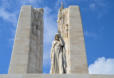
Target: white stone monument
[{"x": 26, "y": 60}]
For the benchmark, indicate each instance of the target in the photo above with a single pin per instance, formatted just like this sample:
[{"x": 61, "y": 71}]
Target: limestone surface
[
  {"x": 70, "y": 28},
  {"x": 27, "y": 55}
]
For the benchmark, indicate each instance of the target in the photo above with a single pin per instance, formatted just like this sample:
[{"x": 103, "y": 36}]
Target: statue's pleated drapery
[{"x": 58, "y": 58}]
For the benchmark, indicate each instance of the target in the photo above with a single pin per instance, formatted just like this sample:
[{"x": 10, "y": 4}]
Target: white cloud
[
  {"x": 98, "y": 3},
  {"x": 11, "y": 17},
  {"x": 6, "y": 12},
  {"x": 102, "y": 5},
  {"x": 102, "y": 66},
  {"x": 90, "y": 34},
  {"x": 92, "y": 6},
  {"x": 35, "y": 3},
  {"x": 29, "y": 1}
]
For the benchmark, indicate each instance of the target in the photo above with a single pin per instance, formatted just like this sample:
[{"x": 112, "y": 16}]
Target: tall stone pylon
[
  {"x": 27, "y": 55},
  {"x": 70, "y": 28}
]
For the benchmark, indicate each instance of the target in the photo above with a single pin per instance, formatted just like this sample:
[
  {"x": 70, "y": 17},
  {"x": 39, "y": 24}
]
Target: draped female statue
[{"x": 58, "y": 56}]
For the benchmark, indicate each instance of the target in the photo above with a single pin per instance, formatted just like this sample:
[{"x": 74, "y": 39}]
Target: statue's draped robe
[{"x": 58, "y": 58}]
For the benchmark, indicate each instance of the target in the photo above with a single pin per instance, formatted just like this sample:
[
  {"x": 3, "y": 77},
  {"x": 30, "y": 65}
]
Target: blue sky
[{"x": 98, "y": 26}]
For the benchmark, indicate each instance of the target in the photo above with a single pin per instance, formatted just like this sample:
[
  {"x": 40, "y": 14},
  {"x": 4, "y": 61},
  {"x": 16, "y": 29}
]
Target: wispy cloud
[
  {"x": 100, "y": 7},
  {"x": 92, "y": 6},
  {"x": 102, "y": 66},
  {"x": 101, "y": 3},
  {"x": 90, "y": 34},
  {"x": 31, "y": 2},
  {"x": 98, "y": 34},
  {"x": 10, "y": 11},
  {"x": 98, "y": 3},
  {"x": 7, "y": 16}
]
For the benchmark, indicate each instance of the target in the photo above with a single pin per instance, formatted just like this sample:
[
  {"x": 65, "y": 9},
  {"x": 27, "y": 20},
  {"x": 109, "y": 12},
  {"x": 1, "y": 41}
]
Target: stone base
[{"x": 54, "y": 76}]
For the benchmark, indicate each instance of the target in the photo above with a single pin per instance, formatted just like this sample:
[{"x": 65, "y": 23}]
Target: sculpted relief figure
[{"x": 58, "y": 56}]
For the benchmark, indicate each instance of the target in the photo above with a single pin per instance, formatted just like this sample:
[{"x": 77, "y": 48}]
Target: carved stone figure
[{"x": 58, "y": 56}]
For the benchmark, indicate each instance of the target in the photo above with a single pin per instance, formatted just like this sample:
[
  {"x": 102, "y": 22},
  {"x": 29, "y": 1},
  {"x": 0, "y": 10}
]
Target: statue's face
[{"x": 57, "y": 37}]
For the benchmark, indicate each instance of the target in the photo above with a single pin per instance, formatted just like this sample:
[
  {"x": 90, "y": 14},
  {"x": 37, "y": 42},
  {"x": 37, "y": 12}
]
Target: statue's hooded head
[{"x": 57, "y": 36}]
